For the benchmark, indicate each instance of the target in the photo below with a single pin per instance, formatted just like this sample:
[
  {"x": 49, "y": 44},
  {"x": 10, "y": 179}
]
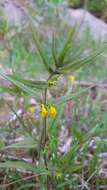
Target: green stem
[
  {"x": 45, "y": 128},
  {"x": 45, "y": 139},
  {"x": 43, "y": 132}
]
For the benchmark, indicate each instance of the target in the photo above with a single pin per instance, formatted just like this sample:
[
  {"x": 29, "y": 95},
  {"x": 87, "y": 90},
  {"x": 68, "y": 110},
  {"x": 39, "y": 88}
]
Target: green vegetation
[
  {"x": 95, "y": 6},
  {"x": 55, "y": 135}
]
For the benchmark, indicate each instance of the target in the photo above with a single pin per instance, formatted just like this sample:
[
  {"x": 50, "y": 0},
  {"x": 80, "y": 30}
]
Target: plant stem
[
  {"x": 49, "y": 183},
  {"x": 43, "y": 132},
  {"x": 45, "y": 128},
  {"x": 43, "y": 139}
]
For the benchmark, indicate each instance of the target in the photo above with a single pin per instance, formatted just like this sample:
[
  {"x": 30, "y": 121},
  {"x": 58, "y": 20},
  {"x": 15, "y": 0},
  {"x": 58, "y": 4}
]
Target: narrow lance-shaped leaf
[
  {"x": 66, "y": 47},
  {"x": 76, "y": 64},
  {"x": 13, "y": 90},
  {"x": 75, "y": 54},
  {"x": 21, "y": 86},
  {"x": 30, "y": 83},
  {"x": 26, "y": 143},
  {"x": 24, "y": 166},
  {"x": 40, "y": 50},
  {"x": 36, "y": 40},
  {"x": 54, "y": 50}
]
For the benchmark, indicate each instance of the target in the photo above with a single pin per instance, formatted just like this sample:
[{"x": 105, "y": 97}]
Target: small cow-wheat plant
[{"x": 50, "y": 169}]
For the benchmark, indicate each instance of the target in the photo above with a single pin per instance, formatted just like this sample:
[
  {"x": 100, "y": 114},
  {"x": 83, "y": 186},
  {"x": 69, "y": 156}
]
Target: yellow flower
[
  {"x": 44, "y": 111},
  {"x": 72, "y": 78},
  {"x": 52, "y": 112},
  {"x": 31, "y": 109}
]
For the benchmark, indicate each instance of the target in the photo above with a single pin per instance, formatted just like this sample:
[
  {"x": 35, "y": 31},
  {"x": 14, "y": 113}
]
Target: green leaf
[
  {"x": 26, "y": 186},
  {"x": 54, "y": 50},
  {"x": 40, "y": 49},
  {"x": 26, "y": 143},
  {"x": 13, "y": 90},
  {"x": 24, "y": 166},
  {"x": 67, "y": 160},
  {"x": 66, "y": 47},
  {"x": 78, "y": 63},
  {"x": 20, "y": 85},
  {"x": 77, "y": 133},
  {"x": 75, "y": 54},
  {"x": 30, "y": 83},
  {"x": 2, "y": 144},
  {"x": 94, "y": 161}
]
